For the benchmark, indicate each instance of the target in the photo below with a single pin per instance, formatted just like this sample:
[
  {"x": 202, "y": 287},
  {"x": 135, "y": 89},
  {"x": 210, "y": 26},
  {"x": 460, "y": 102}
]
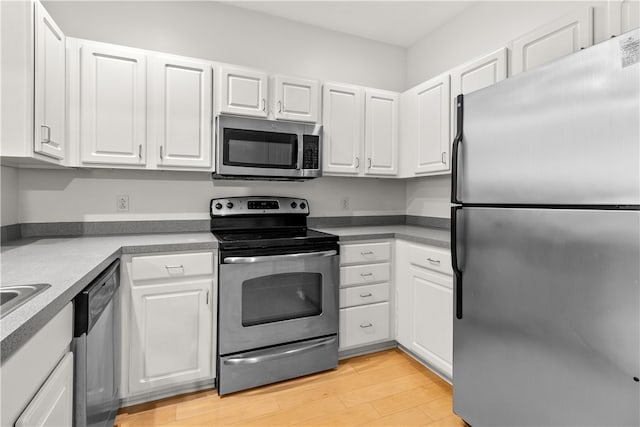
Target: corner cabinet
[
  {"x": 360, "y": 131},
  {"x": 424, "y": 295},
  {"x": 559, "y": 38},
  {"x": 180, "y": 116},
  {"x": 425, "y": 131},
  {"x": 112, "y": 104},
  {"x": 169, "y": 311},
  {"x": 243, "y": 91}
]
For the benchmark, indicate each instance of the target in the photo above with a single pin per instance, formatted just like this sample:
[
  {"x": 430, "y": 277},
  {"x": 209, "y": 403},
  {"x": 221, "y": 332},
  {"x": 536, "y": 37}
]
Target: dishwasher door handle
[
  {"x": 272, "y": 258},
  {"x": 271, "y": 355}
]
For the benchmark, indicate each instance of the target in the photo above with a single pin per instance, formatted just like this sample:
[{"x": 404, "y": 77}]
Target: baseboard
[
  {"x": 371, "y": 348},
  {"x": 424, "y": 363}
]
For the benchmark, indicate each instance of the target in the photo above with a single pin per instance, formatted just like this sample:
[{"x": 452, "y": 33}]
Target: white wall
[
  {"x": 215, "y": 31},
  {"x": 90, "y": 195},
  {"x": 9, "y": 208}
]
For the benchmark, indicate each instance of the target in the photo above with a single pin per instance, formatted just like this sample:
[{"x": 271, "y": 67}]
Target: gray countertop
[
  {"x": 428, "y": 236},
  {"x": 69, "y": 265}
]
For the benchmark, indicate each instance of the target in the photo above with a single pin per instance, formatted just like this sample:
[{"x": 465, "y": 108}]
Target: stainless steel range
[{"x": 278, "y": 292}]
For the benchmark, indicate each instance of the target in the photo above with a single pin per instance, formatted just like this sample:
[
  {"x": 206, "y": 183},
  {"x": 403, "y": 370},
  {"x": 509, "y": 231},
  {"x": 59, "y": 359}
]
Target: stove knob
[
  {"x": 218, "y": 205},
  {"x": 229, "y": 205},
  {"x": 294, "y": 205},
  {"x": 303, "y": 205}
]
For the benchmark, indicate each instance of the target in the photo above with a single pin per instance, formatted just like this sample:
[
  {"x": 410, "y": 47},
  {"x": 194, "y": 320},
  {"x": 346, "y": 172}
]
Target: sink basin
[{"x": 12, "y": 297}]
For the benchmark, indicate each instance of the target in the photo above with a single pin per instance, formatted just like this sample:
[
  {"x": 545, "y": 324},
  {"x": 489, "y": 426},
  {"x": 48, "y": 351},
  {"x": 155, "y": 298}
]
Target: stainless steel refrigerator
[{"x": 546, "y": 244}]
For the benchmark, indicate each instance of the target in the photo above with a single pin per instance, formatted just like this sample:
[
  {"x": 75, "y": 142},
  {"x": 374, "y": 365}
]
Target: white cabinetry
[
  {"x": 50, "y": 85},
  {"x": 37, "y": 380},
  {"x": 180, "y": 112},
  {"x": 425, "y": 132},
  {"x": 113, "y": 104},
  {"x": 243, "y": 91},
  {"x": 360, "y": 131},
  {"x": 33, "y": 86},
  {"x": 365, "y": 271},
  {"x": 424, "y": 293},
  {"x": 169, "y": 307},
  {"x": 296, "y": 99},
  {"x": 53, "y": 404},
  {"x": 561, "y": 37},
  {"x": 476, "y": 75},
  {"x": 381, "y": 132}
]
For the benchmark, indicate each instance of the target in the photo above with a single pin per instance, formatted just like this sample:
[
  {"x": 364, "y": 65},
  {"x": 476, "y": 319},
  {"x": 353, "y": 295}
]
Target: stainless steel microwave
[{"x": 248, "y": 148}]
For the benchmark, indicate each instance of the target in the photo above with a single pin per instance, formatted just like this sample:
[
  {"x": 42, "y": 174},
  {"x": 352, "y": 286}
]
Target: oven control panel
[{"x": 258, "y": 205}]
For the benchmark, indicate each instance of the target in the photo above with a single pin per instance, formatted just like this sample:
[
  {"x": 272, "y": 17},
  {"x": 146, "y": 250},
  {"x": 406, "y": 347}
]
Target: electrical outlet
[
  {"x": 345, "y": 203},
  {"x": 122, "y": 203}
]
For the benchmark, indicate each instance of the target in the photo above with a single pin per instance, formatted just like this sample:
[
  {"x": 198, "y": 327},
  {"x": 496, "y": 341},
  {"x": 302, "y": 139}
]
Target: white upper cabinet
[
  {"x": 112, "y": 104},
  {"x": 476, "y": 75},
  {"x": 554, "y": 40},
  {"x": 343, "y": 126},
  {"x": 181, "y": 111},
  {"x": 243, "y": 91},
  {"x": 425, "y": 127},
  {"x": 381, "y": 132},
  {"x": 296, "y": 99},
  {"x": 50, "y": 86}
]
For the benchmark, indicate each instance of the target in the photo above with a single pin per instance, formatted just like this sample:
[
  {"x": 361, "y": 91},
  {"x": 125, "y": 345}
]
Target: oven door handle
[
  {"x": 272, "y": 258},
  {"x": 269, "y": 355}
]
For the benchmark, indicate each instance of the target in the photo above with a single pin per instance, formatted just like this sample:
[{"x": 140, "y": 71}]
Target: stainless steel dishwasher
[{"x": 96, "y": 349}]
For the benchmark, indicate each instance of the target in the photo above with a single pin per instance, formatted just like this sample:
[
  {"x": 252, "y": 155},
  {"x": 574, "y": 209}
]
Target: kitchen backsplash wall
[
  {"x": 429, "y": 196},
  {"x": 90, "y": 195},
  {"x": 215, "y": 31},
  {"x": 9, "y": 210}
]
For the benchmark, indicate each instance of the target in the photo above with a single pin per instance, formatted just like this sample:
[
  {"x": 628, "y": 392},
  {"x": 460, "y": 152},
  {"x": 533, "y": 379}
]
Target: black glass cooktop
[{"x": 266, "y": 238}]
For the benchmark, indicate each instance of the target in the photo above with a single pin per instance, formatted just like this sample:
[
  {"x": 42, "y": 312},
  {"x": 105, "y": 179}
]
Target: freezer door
[
  {"x": 565, "y": 133},
  {"x": 550, "y": 327}
]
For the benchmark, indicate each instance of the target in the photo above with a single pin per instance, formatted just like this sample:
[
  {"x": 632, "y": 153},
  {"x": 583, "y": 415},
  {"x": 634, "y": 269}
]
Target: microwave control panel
[{"x": 310, "y": 152}]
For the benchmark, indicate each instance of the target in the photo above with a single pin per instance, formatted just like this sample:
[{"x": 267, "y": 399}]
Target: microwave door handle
[{"x": 272, "y": 258}]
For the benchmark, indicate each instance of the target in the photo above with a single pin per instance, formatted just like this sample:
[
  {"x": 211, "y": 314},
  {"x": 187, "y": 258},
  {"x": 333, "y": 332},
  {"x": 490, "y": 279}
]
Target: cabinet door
[
  {"x": 554, "y": 40},
  {"x": 243, "y": 92},
  {"x": 182, "y": 113},
  {"x": 53, "y": 404},
  {"x": 427, "y": 121},
  {"x": 112, "y": 105},
  {"x": 171, "y": 337},
  {"x": 381, "y": 132},
  {"x": 432, "y": 319},
  {"x": 50, "y": 84},
  {"x": 343, "y": 125},
  {"x": 296, "y": 99},
  {"x": 476, "y": 75}
]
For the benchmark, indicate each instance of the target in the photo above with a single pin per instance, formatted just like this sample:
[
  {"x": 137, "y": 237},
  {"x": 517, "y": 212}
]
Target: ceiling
[{"x": 400, "y": 23}]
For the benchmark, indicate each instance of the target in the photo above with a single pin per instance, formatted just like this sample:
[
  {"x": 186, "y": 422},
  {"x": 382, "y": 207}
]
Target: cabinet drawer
[
  {"x": 363, "y": 325},
  {"x": 431, "y": 258},
  {"x": 368, "y": 294},
  {"x": 171, "y": 266},
  {"x": 363, "y": 274},
  {"x": 365, "y": 252}
]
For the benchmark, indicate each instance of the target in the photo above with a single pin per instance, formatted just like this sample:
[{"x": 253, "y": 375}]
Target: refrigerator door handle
[
  {"x": 454, "y": 155},
  {"x": 454, "y": 260}
]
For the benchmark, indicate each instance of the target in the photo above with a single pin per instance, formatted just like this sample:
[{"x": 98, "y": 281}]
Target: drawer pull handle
[
  {"x": 366, "y": 325},
  {"x": 174, "y": 267},
  {"x": 366, "y": 295},
  {"x": 366, "y": 253},
  {"x": 434, "y": 261},
  {"x": 366, "y": 274}
]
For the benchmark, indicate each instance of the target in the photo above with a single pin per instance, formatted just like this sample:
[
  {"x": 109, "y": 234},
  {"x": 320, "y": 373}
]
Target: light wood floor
[{"x": 386, "y": 388}]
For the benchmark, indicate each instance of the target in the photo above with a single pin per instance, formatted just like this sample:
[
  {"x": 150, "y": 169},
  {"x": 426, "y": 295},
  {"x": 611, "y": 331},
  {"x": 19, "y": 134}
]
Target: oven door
[{"x": 269, "y": 300}]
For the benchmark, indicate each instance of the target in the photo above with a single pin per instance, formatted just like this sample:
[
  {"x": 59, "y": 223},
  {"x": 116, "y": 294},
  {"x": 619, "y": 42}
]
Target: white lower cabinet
[
  {"x": 365, "y": 313},
  {"x": 53, "y": 404},
  {"x": 168, "y": 321},
  {"x": 424, "y": 295}
]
